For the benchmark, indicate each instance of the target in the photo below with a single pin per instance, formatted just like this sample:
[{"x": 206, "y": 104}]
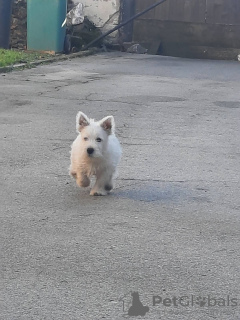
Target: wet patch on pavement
[{"x": 228, "y": 104}]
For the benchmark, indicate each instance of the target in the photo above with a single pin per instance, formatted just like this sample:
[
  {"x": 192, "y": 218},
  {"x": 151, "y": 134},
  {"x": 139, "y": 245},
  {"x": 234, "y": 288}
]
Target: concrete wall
[{"x": 103, "y": 13}]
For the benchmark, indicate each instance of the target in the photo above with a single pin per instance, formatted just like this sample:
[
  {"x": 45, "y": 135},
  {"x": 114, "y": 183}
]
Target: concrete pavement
[{"x": 169, "y": 230}]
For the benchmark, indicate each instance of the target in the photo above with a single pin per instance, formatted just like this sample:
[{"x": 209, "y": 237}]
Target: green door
[{"x": 44, "y": 24}]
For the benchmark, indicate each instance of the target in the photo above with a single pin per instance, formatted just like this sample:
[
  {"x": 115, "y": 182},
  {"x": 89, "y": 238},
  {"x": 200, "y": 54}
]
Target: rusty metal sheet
[
  {"x": 187, "y": 10},
  {"x": 174, "y": 10},
  {"x": 194, "y": 26},
  {"x": 191, "y": 34},
  {"x": 223, "y": 12},
  {"x": 141, "y": 5},
  {"x": 198, "y": 11},
  {"x": 162, "y": 11}
]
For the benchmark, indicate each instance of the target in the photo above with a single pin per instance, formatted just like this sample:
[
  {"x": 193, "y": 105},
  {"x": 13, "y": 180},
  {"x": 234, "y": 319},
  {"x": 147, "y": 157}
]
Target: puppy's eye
[
  {"x": 85, "y": 138},
  {"x": 98, "y": 139}
]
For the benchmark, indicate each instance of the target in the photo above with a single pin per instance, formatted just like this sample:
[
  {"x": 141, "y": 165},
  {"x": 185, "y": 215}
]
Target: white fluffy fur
[{"x": 95, "y": 151}]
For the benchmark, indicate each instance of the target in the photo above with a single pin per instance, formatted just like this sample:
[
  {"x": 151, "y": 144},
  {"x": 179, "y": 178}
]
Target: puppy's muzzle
[{"x": 90, "y": 151}]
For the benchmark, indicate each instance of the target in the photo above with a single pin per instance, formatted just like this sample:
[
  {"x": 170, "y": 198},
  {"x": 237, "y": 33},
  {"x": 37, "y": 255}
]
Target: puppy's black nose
[{"x": 90, "y": 150}]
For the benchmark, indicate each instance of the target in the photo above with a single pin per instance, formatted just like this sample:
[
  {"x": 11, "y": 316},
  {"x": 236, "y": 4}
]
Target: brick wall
[{"x": 18, "y": 37}]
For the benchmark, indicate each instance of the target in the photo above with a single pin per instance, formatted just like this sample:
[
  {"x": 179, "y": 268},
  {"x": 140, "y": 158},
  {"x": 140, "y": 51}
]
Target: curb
[{"x": 60, "y": 57}]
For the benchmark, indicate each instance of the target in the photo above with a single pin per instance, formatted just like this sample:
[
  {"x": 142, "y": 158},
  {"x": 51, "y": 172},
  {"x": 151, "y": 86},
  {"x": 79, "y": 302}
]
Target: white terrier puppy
[{"x": 95, "y": 151}]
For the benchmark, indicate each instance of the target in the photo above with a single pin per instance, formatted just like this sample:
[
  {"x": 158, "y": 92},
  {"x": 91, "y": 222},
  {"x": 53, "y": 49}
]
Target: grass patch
[{"x": 10, "y": 57}]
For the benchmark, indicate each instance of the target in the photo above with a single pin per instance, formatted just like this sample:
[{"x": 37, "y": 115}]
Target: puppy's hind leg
[{"x": 103, "y": 184}]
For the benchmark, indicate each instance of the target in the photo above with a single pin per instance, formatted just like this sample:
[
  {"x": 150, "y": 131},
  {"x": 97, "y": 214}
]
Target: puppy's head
[{"x": 94, "y": 134}]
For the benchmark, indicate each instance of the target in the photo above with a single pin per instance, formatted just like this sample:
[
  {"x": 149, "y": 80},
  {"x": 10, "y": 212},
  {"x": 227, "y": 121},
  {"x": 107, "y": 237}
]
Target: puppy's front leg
[
  {"x": 82, "y": 180},
  {"x": 103, "y": 184}
]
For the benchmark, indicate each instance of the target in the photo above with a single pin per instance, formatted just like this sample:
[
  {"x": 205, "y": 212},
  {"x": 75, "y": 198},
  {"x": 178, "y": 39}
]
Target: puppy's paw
[
  {"x": 98, "y": 192},
  {"x": 73, "y": 174},
  {"x": 83, "y": 182}
]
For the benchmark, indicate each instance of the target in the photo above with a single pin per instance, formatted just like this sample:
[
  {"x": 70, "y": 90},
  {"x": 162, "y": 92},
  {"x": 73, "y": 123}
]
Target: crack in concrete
[
  {"x": 87, "y": 98},
  {"x": 139, "y": 144},
  {"x": 152, "y": 180}
]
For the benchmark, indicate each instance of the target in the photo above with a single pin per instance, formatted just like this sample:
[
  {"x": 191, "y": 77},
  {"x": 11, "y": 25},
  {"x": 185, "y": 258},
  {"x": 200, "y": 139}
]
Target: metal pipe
[{"x": 122, "y": 24}]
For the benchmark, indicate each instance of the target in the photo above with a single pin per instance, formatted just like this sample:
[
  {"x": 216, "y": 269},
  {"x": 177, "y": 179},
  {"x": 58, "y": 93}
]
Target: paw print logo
[
  {"x": 137, "y": 308},
  {"x": 201, "y": 301}
]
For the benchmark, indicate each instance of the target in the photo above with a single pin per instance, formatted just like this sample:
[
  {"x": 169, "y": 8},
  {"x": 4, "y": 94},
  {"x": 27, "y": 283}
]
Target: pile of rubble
[{"x": 18, "y": 38}]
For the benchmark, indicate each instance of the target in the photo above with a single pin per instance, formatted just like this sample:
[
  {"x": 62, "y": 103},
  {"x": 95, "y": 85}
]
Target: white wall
[{"x": 103, "y": 13}]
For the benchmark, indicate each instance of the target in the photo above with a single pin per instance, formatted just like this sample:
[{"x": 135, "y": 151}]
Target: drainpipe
[{"x": 121, "y": 25}]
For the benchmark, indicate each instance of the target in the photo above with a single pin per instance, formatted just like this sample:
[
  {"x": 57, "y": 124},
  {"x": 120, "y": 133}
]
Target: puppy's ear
[
  {"x": 81, "y": 121},
  {"x": 108, "y": 124}
]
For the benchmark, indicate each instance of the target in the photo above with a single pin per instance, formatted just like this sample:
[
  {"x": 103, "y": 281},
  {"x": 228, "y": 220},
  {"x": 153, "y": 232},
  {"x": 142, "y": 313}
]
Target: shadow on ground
[{"x": 148, "y": 191}]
